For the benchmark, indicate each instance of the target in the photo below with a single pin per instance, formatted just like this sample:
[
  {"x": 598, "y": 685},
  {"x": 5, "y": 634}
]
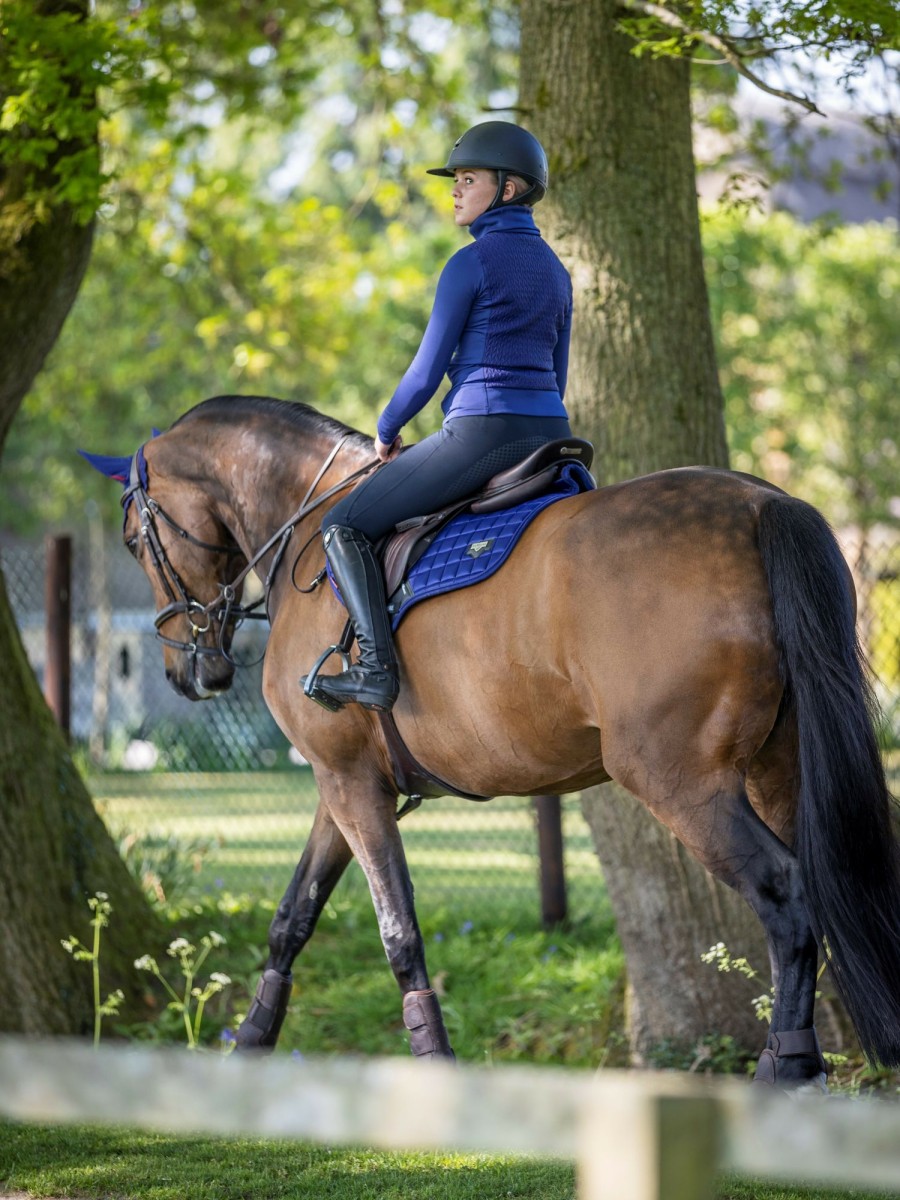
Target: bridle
[{"x": 225, "y": 608}]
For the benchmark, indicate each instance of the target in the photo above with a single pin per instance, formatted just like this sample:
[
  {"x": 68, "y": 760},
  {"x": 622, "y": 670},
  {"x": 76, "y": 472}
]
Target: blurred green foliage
[
  {"x": 266, "y": 223},
  {"x": 806, "y": 321},
  {"x": 266, "y": 226},
  {"x": 264, "y": 297},
  {"x": 287, "y": 297}
]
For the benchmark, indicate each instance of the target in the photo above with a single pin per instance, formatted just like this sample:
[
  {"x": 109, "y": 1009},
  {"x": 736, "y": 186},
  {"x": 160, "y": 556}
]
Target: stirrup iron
[{"x": 311, "y": 688}]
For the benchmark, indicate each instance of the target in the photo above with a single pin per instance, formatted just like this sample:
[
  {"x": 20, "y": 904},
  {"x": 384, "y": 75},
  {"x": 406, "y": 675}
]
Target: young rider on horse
[{"x": 500, "y": 329}]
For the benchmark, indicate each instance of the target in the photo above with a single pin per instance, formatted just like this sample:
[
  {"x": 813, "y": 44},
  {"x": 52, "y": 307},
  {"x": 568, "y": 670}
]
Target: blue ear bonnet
[
  {"x": 119, "y": 468},
  {"x": 112, "y": 466}
]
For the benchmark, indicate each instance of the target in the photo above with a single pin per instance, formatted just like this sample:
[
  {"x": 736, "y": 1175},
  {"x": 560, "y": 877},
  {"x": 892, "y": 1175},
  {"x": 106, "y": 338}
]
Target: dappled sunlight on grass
[
  {"x": 148, "y": 1166},
  {"x": 473, "y": 855}
]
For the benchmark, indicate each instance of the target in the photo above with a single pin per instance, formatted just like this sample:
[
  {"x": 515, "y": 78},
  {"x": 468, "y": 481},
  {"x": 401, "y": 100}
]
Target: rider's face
[{"x": 474, "y": 189}]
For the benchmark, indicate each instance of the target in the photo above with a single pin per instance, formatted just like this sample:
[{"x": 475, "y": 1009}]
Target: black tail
[{"x": 848, "y": 858}]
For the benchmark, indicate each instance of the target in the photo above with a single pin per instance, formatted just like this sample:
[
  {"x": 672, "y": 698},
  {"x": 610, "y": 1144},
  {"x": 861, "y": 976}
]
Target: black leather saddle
[{"x": 531, "y": 477}]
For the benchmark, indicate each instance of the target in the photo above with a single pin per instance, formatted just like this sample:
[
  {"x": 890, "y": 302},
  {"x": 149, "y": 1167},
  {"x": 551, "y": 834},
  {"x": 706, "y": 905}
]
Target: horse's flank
[{"x": 579, "y": 634}]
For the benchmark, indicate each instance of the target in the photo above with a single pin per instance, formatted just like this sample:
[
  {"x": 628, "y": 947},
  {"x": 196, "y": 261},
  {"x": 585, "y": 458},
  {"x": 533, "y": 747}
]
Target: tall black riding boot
[{"x": 372, "y": 681}]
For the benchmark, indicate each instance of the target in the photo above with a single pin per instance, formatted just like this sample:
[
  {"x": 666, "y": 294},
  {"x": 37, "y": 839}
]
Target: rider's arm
[{"x": 456, "y": 290}]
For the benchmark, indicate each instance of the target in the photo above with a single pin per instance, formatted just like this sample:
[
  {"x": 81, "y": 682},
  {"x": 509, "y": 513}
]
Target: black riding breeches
[{"x": 450, "y": 465}]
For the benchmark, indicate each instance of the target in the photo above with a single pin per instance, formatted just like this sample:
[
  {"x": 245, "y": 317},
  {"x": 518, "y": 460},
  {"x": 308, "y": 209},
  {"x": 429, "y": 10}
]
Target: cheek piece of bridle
[{"x": 224, "y": 609}]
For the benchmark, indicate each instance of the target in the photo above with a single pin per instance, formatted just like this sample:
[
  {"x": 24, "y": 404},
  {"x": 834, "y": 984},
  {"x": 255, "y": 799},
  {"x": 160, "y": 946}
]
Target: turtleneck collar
[{"x": 515, "y": 218}]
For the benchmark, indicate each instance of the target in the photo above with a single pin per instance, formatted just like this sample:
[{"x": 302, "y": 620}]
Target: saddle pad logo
[{"x": 476, "y": 549}]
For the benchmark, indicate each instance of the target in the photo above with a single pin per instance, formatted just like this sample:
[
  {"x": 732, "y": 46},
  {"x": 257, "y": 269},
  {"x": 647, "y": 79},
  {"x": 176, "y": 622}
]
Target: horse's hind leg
[
  {"x": 323, "y": 863},
  {"x": 735, "y": 845},
  {"x": 367, "y": 817}
]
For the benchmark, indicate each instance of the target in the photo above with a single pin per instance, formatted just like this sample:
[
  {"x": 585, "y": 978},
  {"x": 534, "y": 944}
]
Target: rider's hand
[{"x": 388, "y": 452}]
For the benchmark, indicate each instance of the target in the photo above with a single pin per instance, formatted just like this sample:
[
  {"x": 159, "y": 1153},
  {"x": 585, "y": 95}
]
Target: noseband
[
  {"x": 224, "y": 608},
  {"x": 180, "y": 600}
]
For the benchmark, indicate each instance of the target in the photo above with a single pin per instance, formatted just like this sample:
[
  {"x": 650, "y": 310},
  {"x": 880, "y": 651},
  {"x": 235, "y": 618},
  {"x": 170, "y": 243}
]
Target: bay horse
[{"x": 689, "y": 634}]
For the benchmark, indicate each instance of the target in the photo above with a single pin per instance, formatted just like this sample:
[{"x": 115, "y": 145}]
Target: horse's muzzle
[{"x": 200, "y": 678}]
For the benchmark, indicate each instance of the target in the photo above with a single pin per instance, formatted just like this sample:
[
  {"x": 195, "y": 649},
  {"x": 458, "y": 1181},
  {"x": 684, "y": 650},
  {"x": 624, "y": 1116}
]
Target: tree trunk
[
  {"x": 622, "y": 214},
  {"x": 55, "y": 851}
]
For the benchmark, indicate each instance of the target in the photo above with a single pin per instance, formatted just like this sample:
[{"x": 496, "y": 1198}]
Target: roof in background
[{"x": 868, "y": 187}]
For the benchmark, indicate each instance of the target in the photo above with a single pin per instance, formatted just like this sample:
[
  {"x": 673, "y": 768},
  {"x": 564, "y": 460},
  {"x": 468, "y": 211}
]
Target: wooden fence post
[
  {"x": 649, "y": 1147},
  {"x": 58, "y": 618},
  {"x": 554, "y": 901}
]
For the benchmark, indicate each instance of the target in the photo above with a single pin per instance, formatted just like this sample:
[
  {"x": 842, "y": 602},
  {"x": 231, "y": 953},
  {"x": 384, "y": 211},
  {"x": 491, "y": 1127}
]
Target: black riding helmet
[{"x": 505, "y": 148}]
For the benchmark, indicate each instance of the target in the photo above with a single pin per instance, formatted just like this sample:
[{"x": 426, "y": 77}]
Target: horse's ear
[
  {"x": 114, "y": 467},
  {"x": 109, "y": 465}
]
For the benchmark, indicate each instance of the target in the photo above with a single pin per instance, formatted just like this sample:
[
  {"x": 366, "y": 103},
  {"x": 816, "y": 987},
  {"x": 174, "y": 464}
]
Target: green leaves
[
  {"x": 243, "y": 244},
  {"x": 52, "y": 67},
  {"x": 850, "y": 32},
  {"x": 807, "y": 344}
]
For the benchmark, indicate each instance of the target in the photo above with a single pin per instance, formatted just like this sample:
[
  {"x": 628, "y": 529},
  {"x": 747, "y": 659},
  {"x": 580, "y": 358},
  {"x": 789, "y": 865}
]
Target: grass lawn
[
  {"x": 465, "y": 855},
  {"x": 510, "y": 992},
  {"x": 113, "y": 1164},
  {"x": 120, "y": 1163}
]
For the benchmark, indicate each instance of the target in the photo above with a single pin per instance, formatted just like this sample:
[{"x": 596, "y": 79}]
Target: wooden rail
[{"x": 633, "y": 1136}]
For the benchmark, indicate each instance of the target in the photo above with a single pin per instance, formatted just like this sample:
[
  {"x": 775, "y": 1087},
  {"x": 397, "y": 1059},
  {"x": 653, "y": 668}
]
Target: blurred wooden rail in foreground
[{"x": 633, "y": 1136}]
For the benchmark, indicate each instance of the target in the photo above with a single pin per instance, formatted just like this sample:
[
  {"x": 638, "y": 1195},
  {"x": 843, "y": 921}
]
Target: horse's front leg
[
  {"x": 367, "y": 817},
  {"x": 323, "y": 863}
]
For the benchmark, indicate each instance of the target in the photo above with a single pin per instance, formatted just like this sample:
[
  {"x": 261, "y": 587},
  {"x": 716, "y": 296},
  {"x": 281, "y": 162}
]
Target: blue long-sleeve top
[{"x": 499, "y": 328}]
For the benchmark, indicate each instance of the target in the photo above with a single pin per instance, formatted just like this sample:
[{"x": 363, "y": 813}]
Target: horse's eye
[{"x": 132, "y": 544}]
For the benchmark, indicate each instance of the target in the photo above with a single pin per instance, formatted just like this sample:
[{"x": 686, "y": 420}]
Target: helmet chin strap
[{"x": 499, "y": 202}]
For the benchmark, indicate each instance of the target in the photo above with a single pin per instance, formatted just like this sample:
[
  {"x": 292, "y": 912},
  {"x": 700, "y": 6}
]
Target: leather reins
[{"x": 224, "y": 608}]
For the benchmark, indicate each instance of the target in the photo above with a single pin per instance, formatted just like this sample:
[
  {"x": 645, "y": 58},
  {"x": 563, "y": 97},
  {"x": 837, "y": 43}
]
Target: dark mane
[{"x": 294, "y": 412}]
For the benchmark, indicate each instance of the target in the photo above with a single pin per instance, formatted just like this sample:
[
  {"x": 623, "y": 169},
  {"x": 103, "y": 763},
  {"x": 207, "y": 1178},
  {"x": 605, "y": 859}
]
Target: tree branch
[{"x": 728, "y": 52}]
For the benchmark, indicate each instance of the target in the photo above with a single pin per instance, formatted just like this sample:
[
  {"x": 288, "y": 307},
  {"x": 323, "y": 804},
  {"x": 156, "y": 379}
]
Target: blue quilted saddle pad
[{"x": 473, "y": 546}]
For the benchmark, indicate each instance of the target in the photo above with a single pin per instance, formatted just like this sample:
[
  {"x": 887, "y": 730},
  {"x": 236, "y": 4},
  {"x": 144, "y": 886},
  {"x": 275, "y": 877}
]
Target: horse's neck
[{"x": 264, "y": 481}]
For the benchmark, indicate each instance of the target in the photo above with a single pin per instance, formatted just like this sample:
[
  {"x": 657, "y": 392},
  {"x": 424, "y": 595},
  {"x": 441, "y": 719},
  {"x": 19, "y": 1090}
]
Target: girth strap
[{"x": 411, "y": 777}]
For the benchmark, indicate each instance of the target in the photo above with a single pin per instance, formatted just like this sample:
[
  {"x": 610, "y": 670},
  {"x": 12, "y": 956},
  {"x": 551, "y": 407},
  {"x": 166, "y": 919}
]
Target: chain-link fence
[{"x": 219, "y": 784}]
